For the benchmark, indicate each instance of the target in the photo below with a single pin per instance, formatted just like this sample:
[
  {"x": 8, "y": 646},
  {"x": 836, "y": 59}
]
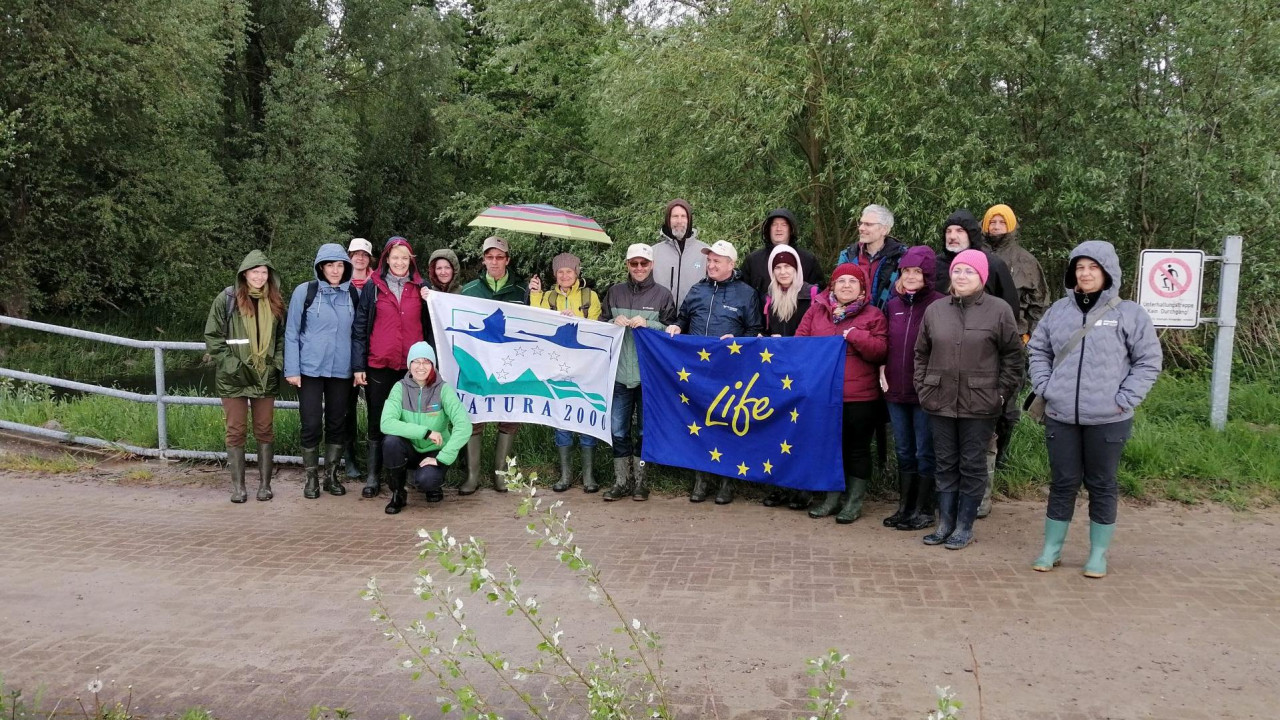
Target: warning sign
[{"x": 1170, "y": 286}]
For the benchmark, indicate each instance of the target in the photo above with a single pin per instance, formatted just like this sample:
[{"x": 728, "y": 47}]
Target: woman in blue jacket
[{"x": 317, "y": 361}]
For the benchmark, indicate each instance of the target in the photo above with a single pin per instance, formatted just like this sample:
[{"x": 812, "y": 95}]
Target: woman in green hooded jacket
[{"x": 245, "y": 337}]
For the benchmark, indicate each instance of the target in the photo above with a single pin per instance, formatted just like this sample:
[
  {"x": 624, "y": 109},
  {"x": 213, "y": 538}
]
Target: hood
[
  {"x": 666, "y": 217},
  {"x": 923, "y": 257},
  {"x": 791, "y": 220},
  {"x": 664, "y": 235},
  {"x": 329, "y": 252},
  {"x": 1101, "y": 252},
  {"x": 253, "y": 260},
  {"x": 785, "y": 250},
  {"x": 452, "y": 257},
  {"x": 384, "y": 269},
  {"x": 966, "y": 220}
]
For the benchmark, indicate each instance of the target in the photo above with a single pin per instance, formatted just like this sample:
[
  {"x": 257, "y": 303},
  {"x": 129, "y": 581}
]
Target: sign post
[{"x": 1228, "y": 285}]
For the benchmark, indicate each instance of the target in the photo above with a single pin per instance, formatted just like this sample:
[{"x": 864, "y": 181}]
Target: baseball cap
[
  {"x": 640, "y": 250},
  {"x": 360, "y": 244},
  {"x": 493, "y": 241},
  {"x": 721, "y": 247}
]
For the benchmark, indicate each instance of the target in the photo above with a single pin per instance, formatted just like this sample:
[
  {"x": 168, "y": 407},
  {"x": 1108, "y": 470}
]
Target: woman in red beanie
[{"x": 845, "y": 310}]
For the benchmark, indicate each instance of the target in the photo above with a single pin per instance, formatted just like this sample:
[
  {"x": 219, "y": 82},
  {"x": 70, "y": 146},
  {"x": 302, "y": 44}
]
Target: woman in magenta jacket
[{"x": 844, "y": 310}]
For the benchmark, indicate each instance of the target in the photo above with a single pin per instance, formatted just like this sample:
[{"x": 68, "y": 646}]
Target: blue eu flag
[{"x": 766, "y": 410}]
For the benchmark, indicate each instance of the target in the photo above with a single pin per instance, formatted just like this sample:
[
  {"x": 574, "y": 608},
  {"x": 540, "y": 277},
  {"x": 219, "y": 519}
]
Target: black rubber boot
[
  {"x": 589, "y": 484},
  {"x": 701, "y": 486},
  {"x": 235, "y": 463},
  {"x": 399, "y": 495},
  {"x": 963, "y": 534},
  {"x": 1004, "y": 433},
  {"x": 332, "y": 473},
  {"x": 775, "y": 498},
  {"x": 906, "y": 499},
  {"x": 311, "y": 464},
  {"x": 724, "y": 495},
  {"x": 373, "y": 481},
  {"x": 947, "y": 503},
  {"x": 266, "y": 464},
  {"x": 349, "y": 460},
  {"x": 566, "y": 471},
  {"x": 921, "y": 515},
  {"x": 800, "y": 500}
]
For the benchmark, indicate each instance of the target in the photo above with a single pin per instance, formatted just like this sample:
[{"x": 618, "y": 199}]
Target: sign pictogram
[{"x": 1170, "y": 287}]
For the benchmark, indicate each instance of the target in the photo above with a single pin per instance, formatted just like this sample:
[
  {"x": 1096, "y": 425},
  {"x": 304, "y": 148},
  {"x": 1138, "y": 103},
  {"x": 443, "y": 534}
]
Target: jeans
[
  {"x": 332, "y": 394},
  {"x": 564, "y": 438},
  {"x": 399, "y": 453},
  {"x": 912, "y": 438},
  {"x": 960, "y": 447},
  {"x": 1088, "y": 454},
  {"x": 626, "y": 405}
]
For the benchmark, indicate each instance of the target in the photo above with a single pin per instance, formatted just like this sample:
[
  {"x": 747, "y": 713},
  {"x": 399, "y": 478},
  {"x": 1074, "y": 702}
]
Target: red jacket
[
  {"x": 866, "y": 345},
  {"x": 389, "y": 327}
]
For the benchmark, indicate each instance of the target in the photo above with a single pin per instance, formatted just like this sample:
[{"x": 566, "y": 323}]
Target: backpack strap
[
  {"x": 1090, "y": 321},
  {"x": 313, "y": 287},
  {"x": 230, "y": 294}
]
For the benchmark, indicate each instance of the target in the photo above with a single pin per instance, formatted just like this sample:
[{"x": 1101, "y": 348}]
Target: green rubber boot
[
  {"x": 502, "y": 451},
  {"x": 621, "y": 482},
  {"x": 566, "y": 471},
  {"x": 1055, "y": 534},
  {"x": 831, "y": 502},
  {"x": 235, "y": 463},
  {"x": 266, "y": 464},
  {"x": 589, "y": 484},
  {"x": 852, "y": 508},
  {"x": 1099, "y": 543},
  {"x": 472, "y": 483}
]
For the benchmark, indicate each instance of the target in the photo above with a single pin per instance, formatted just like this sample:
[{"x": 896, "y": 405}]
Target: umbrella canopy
[{"x": 542, "y": 220}]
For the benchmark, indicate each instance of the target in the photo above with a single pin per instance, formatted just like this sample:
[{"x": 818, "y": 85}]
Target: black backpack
[{"x": 313, "y": 288}]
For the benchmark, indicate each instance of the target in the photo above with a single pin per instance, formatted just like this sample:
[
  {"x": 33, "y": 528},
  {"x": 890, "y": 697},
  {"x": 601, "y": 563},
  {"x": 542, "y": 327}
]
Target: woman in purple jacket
[{"x": 912, "y": 439}]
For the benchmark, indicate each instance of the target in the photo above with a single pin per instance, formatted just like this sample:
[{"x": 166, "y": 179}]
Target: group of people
[{"x": 939, "y": 345}]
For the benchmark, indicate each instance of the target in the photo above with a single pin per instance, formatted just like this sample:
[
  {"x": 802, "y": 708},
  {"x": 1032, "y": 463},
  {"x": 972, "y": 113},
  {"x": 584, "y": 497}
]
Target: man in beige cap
[
  {"x": 640, "y": 302},
  {"x": 720, "y": 305},
  {"x": 495, "y": 283}
]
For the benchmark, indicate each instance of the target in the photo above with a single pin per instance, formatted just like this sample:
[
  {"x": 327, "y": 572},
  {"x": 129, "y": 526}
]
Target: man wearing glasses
[
  {"x": 877, "y": 252},
  {"x": 638, "y": 302}
]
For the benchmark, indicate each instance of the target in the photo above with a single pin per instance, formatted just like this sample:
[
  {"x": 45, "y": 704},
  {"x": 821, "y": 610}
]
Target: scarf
[
  {"x": 840, "y": 312},
  {"x": 261, "y": 330},
  {"x": 395, "y": 283}
]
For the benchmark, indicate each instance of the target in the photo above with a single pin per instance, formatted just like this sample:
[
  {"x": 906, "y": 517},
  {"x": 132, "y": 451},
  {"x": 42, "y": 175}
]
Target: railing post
[{"x": 162, "y": 430}]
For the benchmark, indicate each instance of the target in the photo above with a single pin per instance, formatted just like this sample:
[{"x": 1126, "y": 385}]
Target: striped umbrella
[{"x": 542, "y": 220}]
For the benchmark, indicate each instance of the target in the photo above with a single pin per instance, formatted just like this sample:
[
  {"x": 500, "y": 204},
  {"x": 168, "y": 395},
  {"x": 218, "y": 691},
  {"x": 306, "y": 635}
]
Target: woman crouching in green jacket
[
  {"x": 425, "y": 427},
  {"x": 245, "y": 337}
]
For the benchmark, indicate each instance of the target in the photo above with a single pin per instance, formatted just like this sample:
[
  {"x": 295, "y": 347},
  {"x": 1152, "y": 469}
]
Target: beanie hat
[
  {"x": 421, "y": 350},
  {"x": 566, "y": 260},
  {"x": 851, "y": 269},
  {"x": 1003, "y": 211},
  {"x": 783, "y": 254},
  {"x": 975, "y": 259}
]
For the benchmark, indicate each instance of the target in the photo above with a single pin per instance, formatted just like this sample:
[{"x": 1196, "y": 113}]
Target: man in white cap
[
  {"x": 361, "y": 253},
  {"x": 495, "y": 283},
  {"x": 720, "y": 305},
  {"x": 639, "y": 302}
]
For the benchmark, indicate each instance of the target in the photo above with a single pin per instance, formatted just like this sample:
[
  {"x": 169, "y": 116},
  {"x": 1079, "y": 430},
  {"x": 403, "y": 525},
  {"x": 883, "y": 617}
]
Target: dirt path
[{"x": 253, "y": 611}]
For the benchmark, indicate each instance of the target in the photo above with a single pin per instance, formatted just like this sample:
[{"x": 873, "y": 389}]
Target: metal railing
[{"x": 160, "y": 398}]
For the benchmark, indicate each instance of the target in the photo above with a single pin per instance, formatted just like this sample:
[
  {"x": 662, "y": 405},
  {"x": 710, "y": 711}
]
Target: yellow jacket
[{"x": 583, "y": 301}]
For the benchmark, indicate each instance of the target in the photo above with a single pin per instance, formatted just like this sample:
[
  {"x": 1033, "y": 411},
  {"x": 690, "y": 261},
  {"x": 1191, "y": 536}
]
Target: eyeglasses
[
  {"x": 865, "y": 224},
  {"x": 964, "y": 272},
  {"x": 638, "y": 263}
]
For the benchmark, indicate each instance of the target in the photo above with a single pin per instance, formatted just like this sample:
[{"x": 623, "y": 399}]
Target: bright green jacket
[{"x": 413, "y": 412}]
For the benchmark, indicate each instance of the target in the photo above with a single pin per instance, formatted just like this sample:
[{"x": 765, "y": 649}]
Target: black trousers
[
  {"x": 322, "y": 404},
  {"x": 399, "y": 453},
  {"x": 859, "y": 425},
  {"x": 381, "y": 381},
  {"x": 960, "y": 450},
  {"x": 1088, "y": 454}
]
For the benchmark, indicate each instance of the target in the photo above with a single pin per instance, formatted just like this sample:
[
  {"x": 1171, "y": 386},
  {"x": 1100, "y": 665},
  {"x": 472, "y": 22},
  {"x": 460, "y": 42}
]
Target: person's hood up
[
  {"x": 666, "y": 217},
  {"x": 795, "y": 260},
  {"x": 253, "y": 260},
  {"x": 452, "y": 257},
  {"x": 791, "y": 220},
  {"x": 384, "y": 269},
  {"x": 1101, "y": 252},
  {"x": 331, "y": 252},
  {"x": 664, "y": 235},
  {"x": 972, "y": 228},
  {"x": 923, "y": 257}
]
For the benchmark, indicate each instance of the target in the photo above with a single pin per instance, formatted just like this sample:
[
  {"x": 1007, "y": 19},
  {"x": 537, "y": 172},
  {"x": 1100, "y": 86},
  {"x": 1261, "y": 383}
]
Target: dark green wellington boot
[
  {"x": 501, "y": 452},
  {"x": 965, "y": 515},
  {"x": 349, "y": 460},
  {"x": 332, "y": 473},
  {"x": 724, "y": 495},
  {"x": 831, "y": 502},
  {"x": 589, "y": 484},
  {"x": 701, "y": 486},
  {"x": 566, "y": 471},
  {"x": 637, "y": 471},
  {"x": 947, "y": 502},
  {"x": 373, "y": 480},
  {"x": 311, "y": 464},
  {"x": 621, "y": 483},
  {"x": 852, "y": 508},
  {"x": 906, "y": 499},
  {"x": 1055, "y": 534},
  {"x": 266, "y": 464},
  {"x": 235, "y": 463},
  {"x": 1099, "y": 544},
  {"x": 399, "y": 493},
  {"x": 472, "y": 483}
]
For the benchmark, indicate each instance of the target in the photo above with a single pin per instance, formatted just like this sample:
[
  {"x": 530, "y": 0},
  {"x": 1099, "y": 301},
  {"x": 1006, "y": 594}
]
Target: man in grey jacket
[{"x": 678, "y": 261}]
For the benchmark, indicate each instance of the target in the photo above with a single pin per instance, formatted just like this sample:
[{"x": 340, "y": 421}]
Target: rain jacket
[
  {"x": 647, "y": 299},
  {"x": 413, "y": 412},
  {"x": 881, "y": 269},
  {"x": 968, "y": 357},
  {"x": 324, "y": 350},
  {"x": 582, "y": 300},
  {"x": 455, "y": 285},
  {"x": 1028, "y": 278},
  {"x": 385, "y": 328},
  {"x": 865, "y": 345},
  {"x": 999, "y": 280},
  {"x": 716, "y": 308},
  {"x": 1112, "y": 369},
  {"x": 755, "y": 269},
  {"x": 905, "y": 313},
  {"x": 510, "y": 291},
  {"x": 228, "y": 341},
  {"x": 676, "y": 269}
]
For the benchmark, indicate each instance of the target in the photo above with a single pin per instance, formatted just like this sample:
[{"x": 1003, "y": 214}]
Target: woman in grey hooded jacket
[{"x": 1093, "y": 358}]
